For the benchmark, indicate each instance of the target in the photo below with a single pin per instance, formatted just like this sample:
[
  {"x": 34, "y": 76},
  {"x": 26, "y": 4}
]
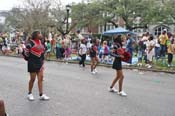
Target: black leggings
[
  {"x": 170, "y": 58},
  {"x": 83, "y": 58}
]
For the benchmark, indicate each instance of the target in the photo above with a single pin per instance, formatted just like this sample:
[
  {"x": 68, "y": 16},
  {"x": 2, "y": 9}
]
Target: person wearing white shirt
[
  {"x": 89, "y": 43},
  {"x": 79, "y": 38},
  {"x": 50, "y": 36},
  {"x": 157, "y": 48},
  {"x": 150, "y": 50},
  {"x": 82, "y": 52}
]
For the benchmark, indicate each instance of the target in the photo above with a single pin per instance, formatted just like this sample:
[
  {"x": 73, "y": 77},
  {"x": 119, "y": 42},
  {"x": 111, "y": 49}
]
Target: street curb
[{"x": 110, "y": 66}]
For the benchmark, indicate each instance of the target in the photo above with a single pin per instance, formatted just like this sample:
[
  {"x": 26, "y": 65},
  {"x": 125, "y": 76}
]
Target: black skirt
[
  {"x": 34, "y": 65},
  {"x": 117, "y": 64},
  {"x": 92, "y": 55}
]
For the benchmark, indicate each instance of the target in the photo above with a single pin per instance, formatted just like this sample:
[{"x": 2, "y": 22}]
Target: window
[
  {"x": 159, "y": 29},
  {"x": 108, "y": 27}
]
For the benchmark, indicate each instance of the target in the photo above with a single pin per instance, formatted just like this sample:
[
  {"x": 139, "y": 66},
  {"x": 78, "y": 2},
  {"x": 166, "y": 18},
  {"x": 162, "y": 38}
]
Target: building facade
[{"x": 3, "y": 14}]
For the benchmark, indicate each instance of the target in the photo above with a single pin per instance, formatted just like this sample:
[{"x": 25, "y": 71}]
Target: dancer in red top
[
  {"x": 117, "y": 65},
  {"x": 93, "y": 51},
  {"x": 34, "y": 54}
]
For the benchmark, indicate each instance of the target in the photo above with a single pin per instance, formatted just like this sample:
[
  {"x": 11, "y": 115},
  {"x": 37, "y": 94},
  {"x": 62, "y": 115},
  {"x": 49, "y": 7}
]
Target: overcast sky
[{"x": 8, "y": 4}]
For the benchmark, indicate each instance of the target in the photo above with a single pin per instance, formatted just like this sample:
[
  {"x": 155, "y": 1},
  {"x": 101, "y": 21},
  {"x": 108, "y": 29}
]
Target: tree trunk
[
  {"x": 125, "y": 18},
  {"x": 105, "y": 26}
]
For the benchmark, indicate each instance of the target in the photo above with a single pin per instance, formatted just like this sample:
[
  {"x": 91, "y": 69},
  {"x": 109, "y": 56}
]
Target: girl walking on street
[
  {"x": 93, "y": 51},
  {"x": 117, "y": 65},
  {"x": 82, "y": 52}
]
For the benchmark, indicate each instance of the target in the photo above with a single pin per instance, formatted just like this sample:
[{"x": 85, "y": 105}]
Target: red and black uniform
[
  {"x": 34, "y": 54},
  {"x": 117, "y": 63},
  {"x": 93, "y": 51}
]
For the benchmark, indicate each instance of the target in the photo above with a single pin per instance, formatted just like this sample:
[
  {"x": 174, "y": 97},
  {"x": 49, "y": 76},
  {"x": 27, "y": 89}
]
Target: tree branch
[
  {"x": 116, "y": 25},
  {"x": 61, "y": 30},
  {"x": 72, "y": 26}
]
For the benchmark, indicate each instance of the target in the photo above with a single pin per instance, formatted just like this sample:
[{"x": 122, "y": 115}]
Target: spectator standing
[
  {"x": 129, "y": 46},
  {"x": 170, "y": 51},
  {"x": 141, "y": 50},
  {"x": 58, "y": 48},
  {"x": 157, "y": 48},
  {"x": 48, "y": 51},
  {"x": 163, "y": 38},
  {"x": 53, "y": 44},
  {"x": 67, "y": 47},
  {"x": 105, "y": 51},
  {"x": 145, "y": 39},
  {"x": 150, "y": 51}
]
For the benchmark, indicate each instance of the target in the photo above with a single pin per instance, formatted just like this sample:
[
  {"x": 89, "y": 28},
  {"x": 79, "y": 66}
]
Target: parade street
[{"x": 74, "y": 91}]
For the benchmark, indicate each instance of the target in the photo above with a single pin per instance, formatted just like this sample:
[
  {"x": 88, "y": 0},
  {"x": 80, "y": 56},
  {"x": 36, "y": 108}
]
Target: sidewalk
[{"x": 125, "y": 66}]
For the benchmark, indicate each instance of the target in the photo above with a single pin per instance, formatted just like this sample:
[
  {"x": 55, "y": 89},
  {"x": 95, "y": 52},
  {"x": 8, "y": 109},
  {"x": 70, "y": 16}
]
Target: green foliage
[
  {"x": 37, "y": 15},
  {"x": 99, "y": 12},
  {"x": 42, "y": 14},
  {"x": 96, "y": 36},
  {"x": 33, "y": 16},
  {"x": 86, "y": 14}
]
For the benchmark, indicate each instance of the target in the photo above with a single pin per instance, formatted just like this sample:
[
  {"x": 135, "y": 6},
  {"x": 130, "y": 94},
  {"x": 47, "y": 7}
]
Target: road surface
[{"x": 76, "y": 92}]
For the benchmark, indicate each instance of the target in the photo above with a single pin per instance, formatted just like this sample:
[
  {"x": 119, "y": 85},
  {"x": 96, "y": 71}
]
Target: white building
[
  {"x": 3, "y": 15},
  {"x": 2, "y": 20}
]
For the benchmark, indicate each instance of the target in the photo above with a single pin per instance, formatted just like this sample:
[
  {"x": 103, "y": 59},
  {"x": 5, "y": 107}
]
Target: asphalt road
[{"x": 76, "y": 92}]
